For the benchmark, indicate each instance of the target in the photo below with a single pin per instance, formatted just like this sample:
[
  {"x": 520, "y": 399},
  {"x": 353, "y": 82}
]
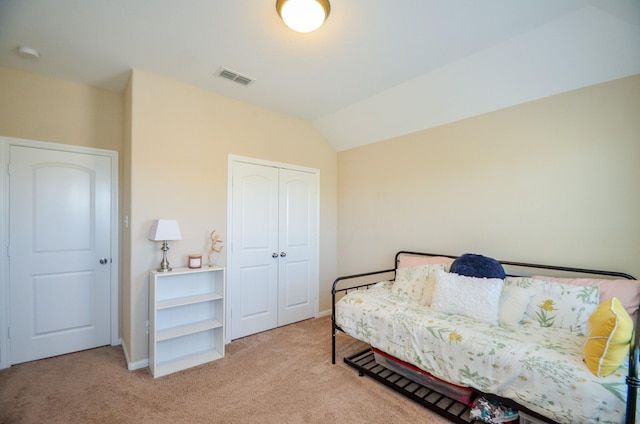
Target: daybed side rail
[
  {"x": 335, "y": 290},
  {"x": 632, "y": 380}
]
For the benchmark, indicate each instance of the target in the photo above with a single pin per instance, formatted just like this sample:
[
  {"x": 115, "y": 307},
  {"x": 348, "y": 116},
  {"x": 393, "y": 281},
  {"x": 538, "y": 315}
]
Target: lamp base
[{"x": 164, "y": 265}]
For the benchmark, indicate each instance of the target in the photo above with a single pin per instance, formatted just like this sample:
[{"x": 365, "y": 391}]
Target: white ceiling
[{"x": 375, "y": 70}]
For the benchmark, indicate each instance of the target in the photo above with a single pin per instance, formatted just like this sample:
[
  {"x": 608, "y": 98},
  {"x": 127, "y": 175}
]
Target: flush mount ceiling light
[
  {"x": 303, "y": 15},
  {"x": 27, "y": 52}
]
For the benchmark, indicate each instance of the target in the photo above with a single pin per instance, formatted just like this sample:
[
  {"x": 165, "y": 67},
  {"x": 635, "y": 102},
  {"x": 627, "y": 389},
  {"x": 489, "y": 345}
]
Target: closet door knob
[
  {"x": 282, "y": 254},
  {"x": 274, "y": 255}
]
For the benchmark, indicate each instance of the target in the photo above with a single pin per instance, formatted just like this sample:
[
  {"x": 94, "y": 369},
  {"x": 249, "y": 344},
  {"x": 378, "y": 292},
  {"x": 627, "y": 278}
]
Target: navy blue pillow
[{"x": 477, "y": 266}]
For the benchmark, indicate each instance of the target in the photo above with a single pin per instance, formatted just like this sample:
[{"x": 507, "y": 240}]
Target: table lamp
[{"x": 165, "y": 230}]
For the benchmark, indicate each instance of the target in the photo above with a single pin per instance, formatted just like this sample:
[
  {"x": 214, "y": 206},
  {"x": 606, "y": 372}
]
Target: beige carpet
[{"x": 279, "y": 376}]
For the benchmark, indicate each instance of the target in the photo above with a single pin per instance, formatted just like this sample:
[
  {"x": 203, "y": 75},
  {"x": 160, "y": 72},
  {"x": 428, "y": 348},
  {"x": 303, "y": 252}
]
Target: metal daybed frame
[{"x": 455, "y": 411}]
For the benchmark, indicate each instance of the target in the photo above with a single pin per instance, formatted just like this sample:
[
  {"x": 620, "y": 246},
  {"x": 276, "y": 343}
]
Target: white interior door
[
  {"x": 60, "y": 247},
  {"x": 273, "y": 260},
  {"x": 298, "y": 243},
  {"x": 254, "y": 285}
]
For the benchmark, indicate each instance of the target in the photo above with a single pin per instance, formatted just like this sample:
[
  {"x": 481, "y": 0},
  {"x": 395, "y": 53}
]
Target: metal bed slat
[{"x": 441, "y": 404}]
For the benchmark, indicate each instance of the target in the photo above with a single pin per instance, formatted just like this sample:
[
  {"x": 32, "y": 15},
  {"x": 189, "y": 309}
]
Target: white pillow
[
  {"x": 559, "y": 305},
  {"x": 514, "y": 301},
  {"x": 416, "y": 283},
  {"x": 476, "y": 298}
]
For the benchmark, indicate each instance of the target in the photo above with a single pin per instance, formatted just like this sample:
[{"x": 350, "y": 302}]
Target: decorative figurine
[{"x": 215, "y": 240}]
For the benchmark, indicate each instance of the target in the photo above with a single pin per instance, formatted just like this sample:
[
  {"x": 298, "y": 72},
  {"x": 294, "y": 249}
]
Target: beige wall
[
  {"x": 39, "y": 108},
  {"x": 181, "y": 138},
  {"x": 552, "y": 181}
]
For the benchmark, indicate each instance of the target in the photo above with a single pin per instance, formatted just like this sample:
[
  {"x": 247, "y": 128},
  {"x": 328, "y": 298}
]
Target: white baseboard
[
  {"x": 132, "y": 366},
  {"x": 324, "y": 313}
]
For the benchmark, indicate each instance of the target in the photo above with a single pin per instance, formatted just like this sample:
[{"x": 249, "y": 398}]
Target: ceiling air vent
[{"x": 234, "y": 76}]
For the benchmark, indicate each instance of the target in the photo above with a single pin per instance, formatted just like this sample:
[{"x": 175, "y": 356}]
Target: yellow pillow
[{"x": 609, "y": 333}]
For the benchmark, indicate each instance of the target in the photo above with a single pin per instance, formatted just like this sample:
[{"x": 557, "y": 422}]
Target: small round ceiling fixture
[
  {"x": 28, "y": 52},
  {"x": 303, "y": 15}
]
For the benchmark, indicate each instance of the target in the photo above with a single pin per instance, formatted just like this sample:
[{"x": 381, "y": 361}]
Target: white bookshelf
[{"x": 186, "y": 318}]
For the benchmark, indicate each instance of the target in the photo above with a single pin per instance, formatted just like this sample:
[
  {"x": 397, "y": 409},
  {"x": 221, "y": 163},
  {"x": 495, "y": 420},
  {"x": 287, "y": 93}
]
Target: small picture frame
[{"x": 195, "y": 261}]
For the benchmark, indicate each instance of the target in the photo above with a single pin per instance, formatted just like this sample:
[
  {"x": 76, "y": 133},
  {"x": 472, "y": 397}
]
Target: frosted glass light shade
[
  {"x": 303, "y": 15},
  {"x": 165, "y": 229}
]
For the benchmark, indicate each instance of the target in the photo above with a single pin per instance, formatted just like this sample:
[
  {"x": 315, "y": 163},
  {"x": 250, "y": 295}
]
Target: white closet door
[
  {"x": 254, "y": 284},
  {"x": 273, "y": 262},
  {"x": 60, "y": 247},
  {"x": 298, "y": 235}
]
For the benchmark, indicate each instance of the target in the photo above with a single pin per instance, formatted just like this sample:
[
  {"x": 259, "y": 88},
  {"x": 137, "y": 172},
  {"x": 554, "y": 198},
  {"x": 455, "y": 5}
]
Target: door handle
[
  {"x": 274, "y": 255},
  {"x": 282, "y": 254},
  {"x": 103, "y": 261}
]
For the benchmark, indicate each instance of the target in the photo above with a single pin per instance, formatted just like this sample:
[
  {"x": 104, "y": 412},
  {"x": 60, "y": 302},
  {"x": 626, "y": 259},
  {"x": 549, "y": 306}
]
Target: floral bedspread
[{"x": 540, "y": 368}]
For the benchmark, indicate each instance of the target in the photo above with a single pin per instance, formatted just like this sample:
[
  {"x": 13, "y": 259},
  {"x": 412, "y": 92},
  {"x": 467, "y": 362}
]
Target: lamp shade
[
  {"x": 165, "y": 229},
  {"x": 303, "y": 15}
]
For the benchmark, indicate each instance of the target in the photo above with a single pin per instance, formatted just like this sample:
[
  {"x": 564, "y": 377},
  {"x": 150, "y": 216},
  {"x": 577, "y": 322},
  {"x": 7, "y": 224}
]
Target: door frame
[
  {"x": 5, "y": 301},
  {"x": 232, "y": 159}
]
